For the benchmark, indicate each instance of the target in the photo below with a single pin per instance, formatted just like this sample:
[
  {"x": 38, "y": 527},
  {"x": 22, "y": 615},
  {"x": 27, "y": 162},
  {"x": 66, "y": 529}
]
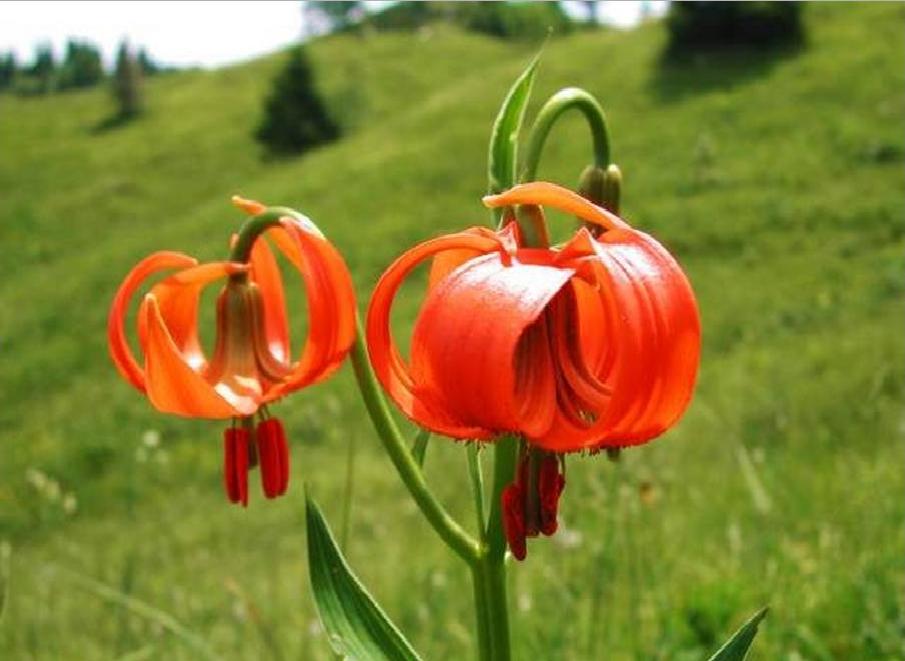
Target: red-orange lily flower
[
  {"x": 592, "y": 344},
  {"x": 252, "y": 363}
]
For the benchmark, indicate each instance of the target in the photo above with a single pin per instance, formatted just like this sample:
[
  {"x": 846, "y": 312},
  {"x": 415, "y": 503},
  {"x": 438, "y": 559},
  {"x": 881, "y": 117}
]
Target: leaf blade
[
  {"x": 356, "y": 626},
  {"x": 501, "y": 157},
  {"x": 736, "y": 648}
]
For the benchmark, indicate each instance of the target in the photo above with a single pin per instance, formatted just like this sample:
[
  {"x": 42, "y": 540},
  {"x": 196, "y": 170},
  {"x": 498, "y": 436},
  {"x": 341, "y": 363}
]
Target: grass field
[{"x": 776, "y": 180}]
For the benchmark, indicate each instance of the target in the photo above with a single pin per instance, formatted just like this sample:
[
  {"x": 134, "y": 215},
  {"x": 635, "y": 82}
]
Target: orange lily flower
[
  {"x": 251, "y": 365},
  {"x": 593, "y": 344}
]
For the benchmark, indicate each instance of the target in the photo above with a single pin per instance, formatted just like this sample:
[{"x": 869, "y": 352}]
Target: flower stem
[
  {"x": 477, "y": 488},
  {"x": 556, "y": 105},
  {"x": 493, "y": 561},
  {"x": 251, "y": 230},
  {"x": 461, "y": 543},
  {"x": 482, "y": 613}
]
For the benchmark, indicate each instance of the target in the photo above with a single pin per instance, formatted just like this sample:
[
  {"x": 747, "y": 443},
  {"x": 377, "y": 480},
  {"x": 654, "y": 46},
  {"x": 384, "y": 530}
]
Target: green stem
[
  {"x": 251, "y": 230},
  {"x": 482, "y": 612},
  {"x": 498, "y": 606},
  {"x": 505, "y": 456},
  {"x": 477, "y": 488},
  {"x": 563, "y": 100},
  {"x": 461, "y": 543}
]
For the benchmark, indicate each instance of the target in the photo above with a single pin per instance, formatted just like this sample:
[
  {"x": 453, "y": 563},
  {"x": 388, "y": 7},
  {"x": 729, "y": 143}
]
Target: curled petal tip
[
  {"x": 491, "y": 201},
  {"x": 251, "y": 207}
]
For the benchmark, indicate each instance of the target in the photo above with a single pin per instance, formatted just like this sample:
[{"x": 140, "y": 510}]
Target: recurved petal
[
  {"x": 391, "y": 370},
  {"x": 546, "y": 194},
  {"x": 177, "y": 299},
  {"x": 331, "y": 304},
  {"x": 266, "y": 273},
  {"x": 649, "y": 318},
  {"x": 677, "y": 324},
  {"x": 465, "y": 339},
  {"x": 172, "y": 385},
  {"x": 116, "y": 337}
]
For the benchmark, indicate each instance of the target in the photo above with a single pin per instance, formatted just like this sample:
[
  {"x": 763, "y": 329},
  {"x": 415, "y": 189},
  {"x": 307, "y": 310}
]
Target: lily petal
[
  {"x": 172, "y": 385},
  {"x": 266, "y": 273},
  {"x": 391, "y": 370},
  {"x": 546, "y": 194},
  {"x": 116, "y": 336},
  {"x": 177, "y": 298},
  {"x": 331, "y": 304},
  {"x": 465, "y": 339}
]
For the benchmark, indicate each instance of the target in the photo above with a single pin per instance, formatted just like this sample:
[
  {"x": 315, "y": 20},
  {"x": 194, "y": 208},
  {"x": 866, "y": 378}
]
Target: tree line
[{"x": 80, "y": 67}]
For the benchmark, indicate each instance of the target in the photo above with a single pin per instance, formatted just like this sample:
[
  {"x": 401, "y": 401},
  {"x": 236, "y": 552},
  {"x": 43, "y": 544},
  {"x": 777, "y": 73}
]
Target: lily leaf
[
  {"x": 736, "y": 648},
  {"x": 356, "y": 626},
  {"x": 501, "y": 165}
]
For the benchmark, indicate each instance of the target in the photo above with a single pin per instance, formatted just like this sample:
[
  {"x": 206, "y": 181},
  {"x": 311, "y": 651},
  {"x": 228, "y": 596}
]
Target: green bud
[
  {"x": 612, "y": 188},
  {"x": 592, "y": 184}
]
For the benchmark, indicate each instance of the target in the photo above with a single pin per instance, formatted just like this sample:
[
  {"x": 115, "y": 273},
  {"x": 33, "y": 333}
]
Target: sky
[{"x": 190, "y": 33}]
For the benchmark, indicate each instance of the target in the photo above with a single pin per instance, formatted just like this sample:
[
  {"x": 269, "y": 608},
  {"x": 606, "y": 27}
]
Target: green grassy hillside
[{"x": 776, "y": 180}]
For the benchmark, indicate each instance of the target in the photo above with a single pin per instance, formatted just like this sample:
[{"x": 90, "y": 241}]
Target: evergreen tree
[
  {"x": 295, "y": 118},
  {"x": 148, "y": 66},
  {"x": 82, "y": 65},
  {"x": 127, "y": 83},
  {"x": 8, "y": 70},
  {"x": 44, "y": 68}
]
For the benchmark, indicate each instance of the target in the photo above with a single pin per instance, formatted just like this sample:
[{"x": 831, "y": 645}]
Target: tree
[
  {"x": 148, "y": 66},
  {"x": 81, "y": 67},
  {"x": 127, "y": 83},
  {"x": 8, "y": 70},
  {"x": 698, "y": 26},
  {"x": 44, "y": 68},
  {"x": 295, "y": 118}
]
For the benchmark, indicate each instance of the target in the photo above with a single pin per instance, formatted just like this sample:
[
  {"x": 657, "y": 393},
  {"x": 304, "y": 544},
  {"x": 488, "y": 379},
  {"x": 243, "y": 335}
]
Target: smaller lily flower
[
  {"x": 590, "y": 345},
  {"x": 251, "y": 365}
]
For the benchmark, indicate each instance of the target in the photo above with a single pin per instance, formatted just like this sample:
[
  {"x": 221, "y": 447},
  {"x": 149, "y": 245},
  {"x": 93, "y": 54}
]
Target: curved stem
[
  {"x": 563, "y": 100},
  {"x": 449, "y": 530},
  {"x": 251, "y": 230}
]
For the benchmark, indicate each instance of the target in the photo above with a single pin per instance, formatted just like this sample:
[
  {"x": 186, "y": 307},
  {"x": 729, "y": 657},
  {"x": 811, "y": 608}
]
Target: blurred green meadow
[{"x": 777, "y": 180}]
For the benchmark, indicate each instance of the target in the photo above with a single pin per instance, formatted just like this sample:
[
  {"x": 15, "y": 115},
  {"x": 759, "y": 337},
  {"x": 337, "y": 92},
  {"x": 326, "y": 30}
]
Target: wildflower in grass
[
  {"x": 589, "y": 345},
  {"x": 251, "y": 364}
]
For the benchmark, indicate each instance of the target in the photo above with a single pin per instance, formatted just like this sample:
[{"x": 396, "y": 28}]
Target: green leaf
[
  {"x": 736, "y": 648},
  {"x": 501, "y": 165},
  {"x": 356, "y": 625}
]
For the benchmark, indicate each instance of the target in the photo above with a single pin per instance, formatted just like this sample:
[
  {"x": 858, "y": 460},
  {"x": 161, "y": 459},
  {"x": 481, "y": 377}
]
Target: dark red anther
[
  {"x": 550, "y": 484},
  {"x": 513, "y": 511},
  {"x": 283, "y": 450},
  {"x": 274, "y": 456},
  {"x": 235, "y": 464},
  {"x": 269, "y": 458}
]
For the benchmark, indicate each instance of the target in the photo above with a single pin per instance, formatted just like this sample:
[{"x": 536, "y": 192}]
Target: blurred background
[{"x": 762, "y": 143}]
